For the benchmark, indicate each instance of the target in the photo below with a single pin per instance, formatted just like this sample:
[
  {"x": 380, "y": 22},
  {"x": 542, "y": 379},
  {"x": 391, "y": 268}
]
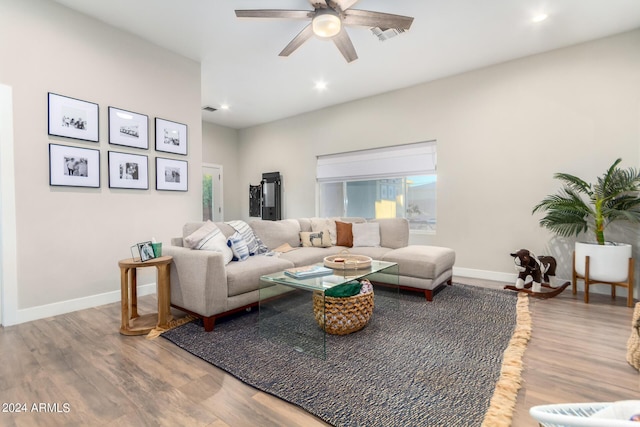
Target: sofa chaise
[{"x": 205, "y": 283}]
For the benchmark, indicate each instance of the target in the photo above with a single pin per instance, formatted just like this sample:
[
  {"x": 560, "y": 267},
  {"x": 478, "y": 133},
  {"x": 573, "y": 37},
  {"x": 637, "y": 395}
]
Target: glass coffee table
[{"x": 286, "y": 313}]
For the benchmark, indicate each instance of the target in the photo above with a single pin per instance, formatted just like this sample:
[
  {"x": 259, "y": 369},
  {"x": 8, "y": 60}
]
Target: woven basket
[
  {"x": 343, "y": 315},
  {"x": 633, "y": 345}
]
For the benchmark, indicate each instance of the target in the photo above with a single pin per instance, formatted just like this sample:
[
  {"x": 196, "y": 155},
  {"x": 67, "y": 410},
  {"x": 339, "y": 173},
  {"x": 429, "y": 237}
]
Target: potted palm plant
[{"x": 581, "y": 207}]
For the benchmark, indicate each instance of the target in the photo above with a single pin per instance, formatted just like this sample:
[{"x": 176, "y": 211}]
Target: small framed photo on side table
[{"x": 145, "y": 250}]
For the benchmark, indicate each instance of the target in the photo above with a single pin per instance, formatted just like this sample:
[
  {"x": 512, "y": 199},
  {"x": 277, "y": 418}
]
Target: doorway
[{"x": 212, "y": 208}]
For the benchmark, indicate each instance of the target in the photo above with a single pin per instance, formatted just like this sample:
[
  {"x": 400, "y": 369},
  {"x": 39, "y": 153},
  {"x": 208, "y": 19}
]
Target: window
[{"x": 391, "y": 182}]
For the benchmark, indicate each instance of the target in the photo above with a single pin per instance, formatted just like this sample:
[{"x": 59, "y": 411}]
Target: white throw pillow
[
  {"x": 214, "y": 241},
  {"x": 194, "y": 238},
  {"x": 366, "y": 234}
]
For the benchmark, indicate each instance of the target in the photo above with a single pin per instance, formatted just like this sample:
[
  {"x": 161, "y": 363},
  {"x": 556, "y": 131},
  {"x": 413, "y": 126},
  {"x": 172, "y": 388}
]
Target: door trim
[
  {"x": 221, "y": 196},
  {"x": 8, "y": 236}
]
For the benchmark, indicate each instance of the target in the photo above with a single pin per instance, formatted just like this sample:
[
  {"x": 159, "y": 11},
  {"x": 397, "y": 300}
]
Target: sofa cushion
[
  {"x": 394, "y": 232},
  {"x": 344, "y": 234},
  {"x": 307, "y": 256},
  {"x": 275, "y": 233},
  {"x": 353, "y": 219},
  {"x": 367, "y": 234},
  {"x": 244, "y": 277},
  {"x": 426, "y": 262},
  {"x": 305, "y": 224},
  {"x": 320, "y": 239},
  {"x": 374, "y": 252}
]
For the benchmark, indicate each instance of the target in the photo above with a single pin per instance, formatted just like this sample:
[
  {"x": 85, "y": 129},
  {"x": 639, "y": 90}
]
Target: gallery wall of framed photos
[{"x": 75, "y": 166}]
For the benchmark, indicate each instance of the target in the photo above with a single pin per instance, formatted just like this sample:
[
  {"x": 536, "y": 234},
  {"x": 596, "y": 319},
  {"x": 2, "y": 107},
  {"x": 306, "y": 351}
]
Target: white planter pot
[{"x": 607, "y": 263}]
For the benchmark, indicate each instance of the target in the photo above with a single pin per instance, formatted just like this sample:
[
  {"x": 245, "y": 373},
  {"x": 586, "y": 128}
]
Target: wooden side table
[{"x": 132, "y": 322}]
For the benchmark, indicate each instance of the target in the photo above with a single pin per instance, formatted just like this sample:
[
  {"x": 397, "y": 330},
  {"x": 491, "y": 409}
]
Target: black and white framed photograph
[
  {"x": 171, "y": 137},
  {"x": 128, "y": 128},
  {"x": 171, "y": 174},
  {"x": 73, "y": 118},
  {"x": 73, "y": 166},
  {"x": 128, "y": 171},
  {"x": 146, "y": 251}
]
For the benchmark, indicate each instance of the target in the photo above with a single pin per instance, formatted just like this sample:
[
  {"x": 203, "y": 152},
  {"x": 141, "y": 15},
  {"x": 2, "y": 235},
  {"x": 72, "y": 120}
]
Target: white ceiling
[{"x": 241, "y": 66}]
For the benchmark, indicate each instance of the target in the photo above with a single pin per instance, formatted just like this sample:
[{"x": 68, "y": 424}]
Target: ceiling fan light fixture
[{"x": 326, "y": 24}]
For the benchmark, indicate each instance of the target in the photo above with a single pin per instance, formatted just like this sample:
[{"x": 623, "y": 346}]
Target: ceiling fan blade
[
  {"x": 297, "y": 41},
  {"x": 366, "y": 18},
  {"x": 274, "y": 13},
  {"x": 344, "y": 45}
]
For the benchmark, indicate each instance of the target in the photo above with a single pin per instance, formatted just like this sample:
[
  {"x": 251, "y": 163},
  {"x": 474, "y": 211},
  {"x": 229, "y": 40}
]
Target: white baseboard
[
  {"x": 485, "y": 274},
  {"x": 62, "y": 307}
]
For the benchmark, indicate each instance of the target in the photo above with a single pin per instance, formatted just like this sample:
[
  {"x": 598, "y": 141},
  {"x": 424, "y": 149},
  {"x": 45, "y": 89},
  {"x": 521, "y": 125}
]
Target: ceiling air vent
[
  {"x": 210, "y": 109},
  {"x": 386, "y": 33}
]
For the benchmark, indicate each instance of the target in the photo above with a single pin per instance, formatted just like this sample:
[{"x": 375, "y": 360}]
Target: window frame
[{"x": 340, "y": 164}]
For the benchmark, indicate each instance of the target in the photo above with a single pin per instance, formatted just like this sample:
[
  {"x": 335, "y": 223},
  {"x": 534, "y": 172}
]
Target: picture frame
[
  {"x": 172, "y": 175},
  {"x": 74, "y": 166},
  {"x": 128, "y": 128},
  {"x": 171, "y": 137},
  {"x": 128, "y": 171},
  {"x": 73, "y": 118},
  {"x": 145, "y": 251}
]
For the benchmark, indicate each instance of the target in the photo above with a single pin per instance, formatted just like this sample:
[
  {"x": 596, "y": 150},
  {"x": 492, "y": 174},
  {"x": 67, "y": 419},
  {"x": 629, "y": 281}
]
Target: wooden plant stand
[{"x": 588, "y": 281}]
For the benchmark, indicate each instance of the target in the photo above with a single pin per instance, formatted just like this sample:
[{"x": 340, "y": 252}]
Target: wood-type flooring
[{"x": 76, "y": 369}]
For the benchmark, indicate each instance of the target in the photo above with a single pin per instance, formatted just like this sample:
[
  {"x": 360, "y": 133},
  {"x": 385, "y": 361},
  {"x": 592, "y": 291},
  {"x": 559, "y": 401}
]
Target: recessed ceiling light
[
  {"x": 224, "y": 107},
  {"x": 539, "y": 17},
  {"x": 320, "y": 86}
]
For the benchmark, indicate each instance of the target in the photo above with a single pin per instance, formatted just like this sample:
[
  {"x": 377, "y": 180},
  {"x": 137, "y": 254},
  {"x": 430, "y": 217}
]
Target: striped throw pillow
[{"x": 238, "y": 247}]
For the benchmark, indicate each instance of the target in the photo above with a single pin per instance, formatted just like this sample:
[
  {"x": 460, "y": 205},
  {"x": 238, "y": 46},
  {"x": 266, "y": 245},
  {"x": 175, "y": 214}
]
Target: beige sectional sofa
[{"x": 204, "y": 285}]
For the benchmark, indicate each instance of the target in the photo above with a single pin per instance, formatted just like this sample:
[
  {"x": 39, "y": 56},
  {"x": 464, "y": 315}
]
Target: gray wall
[
  {"x": 69, "y": 240},
  {"x": 502, "y": 132}
]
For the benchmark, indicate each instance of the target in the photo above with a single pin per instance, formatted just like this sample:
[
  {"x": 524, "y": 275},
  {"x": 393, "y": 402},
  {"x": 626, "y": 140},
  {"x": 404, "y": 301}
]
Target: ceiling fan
[{"x": 328, "y": 20}]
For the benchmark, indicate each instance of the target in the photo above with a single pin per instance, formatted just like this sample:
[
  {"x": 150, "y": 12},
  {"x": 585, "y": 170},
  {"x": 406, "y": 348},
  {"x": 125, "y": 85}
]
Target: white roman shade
[{"x": 395, "y": 161}]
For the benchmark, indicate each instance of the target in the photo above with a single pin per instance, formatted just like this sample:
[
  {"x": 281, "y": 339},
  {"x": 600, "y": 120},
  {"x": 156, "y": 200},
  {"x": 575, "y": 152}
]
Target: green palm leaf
[{"x": 579, "y": 206}]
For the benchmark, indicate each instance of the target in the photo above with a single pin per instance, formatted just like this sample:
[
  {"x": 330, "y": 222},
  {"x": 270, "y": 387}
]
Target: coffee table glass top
[{"x": 322, "y": 283}]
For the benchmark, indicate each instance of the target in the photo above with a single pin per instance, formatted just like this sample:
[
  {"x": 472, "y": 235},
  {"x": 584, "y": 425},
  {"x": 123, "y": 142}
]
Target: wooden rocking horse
[{"x": 542, "y": 271}]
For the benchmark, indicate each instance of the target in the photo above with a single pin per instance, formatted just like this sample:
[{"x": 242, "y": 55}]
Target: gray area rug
[{"x": 422, "y": 364}]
